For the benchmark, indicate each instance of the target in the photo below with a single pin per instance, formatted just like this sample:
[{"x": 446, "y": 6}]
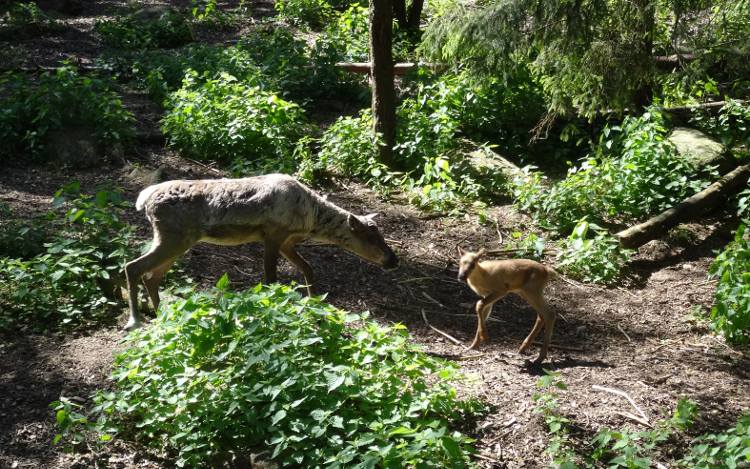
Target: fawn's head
[
  {"x": 366, "y": 241},
  {"x": 468, "y": 262}
]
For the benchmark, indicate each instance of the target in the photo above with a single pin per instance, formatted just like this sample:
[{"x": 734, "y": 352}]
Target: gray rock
[{"x": 697, "y": 147}]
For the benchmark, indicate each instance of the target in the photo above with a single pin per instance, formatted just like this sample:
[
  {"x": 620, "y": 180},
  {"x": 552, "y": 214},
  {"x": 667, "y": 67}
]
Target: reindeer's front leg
[
  {"x": 270, "y": 261},
  {"x": 293, "y": 256}
]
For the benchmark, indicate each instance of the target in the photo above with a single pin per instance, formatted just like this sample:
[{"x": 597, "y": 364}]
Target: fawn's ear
[
  {"x": 460, "y": 251},
  {"x": 481, "y": 253},
  {"x": 371, "y": 216}
]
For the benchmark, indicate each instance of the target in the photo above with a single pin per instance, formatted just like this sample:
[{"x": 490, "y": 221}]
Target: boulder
[{"x": 698, "y": 148}]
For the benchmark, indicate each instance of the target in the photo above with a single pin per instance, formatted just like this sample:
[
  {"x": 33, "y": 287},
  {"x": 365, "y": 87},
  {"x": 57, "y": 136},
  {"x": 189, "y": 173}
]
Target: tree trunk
[
  {"x": 415, "y": 14},
  {"x": 383, "y": 92},
  {"x": 399, "y": 12},
  {"x": 691, "y": 207}
]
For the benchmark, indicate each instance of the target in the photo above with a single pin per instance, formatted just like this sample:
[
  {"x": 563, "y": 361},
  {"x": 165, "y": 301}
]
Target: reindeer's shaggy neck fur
[{"x": 331, "y": 222}]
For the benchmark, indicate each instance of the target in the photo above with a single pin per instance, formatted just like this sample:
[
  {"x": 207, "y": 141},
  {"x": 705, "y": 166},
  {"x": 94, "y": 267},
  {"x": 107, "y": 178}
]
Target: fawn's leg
[{"x": 483, "y": 309}]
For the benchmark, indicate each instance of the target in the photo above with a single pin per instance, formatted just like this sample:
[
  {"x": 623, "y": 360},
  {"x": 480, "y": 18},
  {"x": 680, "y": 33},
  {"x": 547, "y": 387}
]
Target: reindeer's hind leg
[
  {"x": 152, "y": 280},
  {"x": 293, "y": 256},
  {"x": 164, "y": 249}
]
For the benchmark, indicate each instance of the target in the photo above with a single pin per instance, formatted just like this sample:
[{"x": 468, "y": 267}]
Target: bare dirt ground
[{"x": 638, "y": 337}]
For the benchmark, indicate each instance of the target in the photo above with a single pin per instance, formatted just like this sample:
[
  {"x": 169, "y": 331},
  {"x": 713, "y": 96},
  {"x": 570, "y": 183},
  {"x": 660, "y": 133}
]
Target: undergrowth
[
  {"x": 230, "y": 121},
  {"x": 23, "y": 20},
  {"x": 75, "y": 279},
  {"x": 625, "y": 448},
  {"x": 63, "y": 100},
  {"x": 730, "y": 315},
  {"x": 632, "y": 172},
  {"x": 230, "y": 373},
  {"x": 145, "y": 28}
]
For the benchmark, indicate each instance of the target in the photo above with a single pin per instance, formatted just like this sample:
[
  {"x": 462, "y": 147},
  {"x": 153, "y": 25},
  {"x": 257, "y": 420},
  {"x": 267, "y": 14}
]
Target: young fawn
[
  {"x": 492, "y": 280},
  {"x": 275, "y": 209}
]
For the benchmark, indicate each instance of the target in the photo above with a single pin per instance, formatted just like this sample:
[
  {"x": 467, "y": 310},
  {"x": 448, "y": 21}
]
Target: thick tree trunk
[
  {"x": 691, "y": 207},
  {"x": 383, "y": 92}
]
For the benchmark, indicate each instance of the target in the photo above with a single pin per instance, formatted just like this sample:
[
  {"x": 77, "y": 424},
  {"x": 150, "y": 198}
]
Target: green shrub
[
  {"x": 731, "y": 125},
  {"x": 227, "y": 373},
  {"x": 598, "y": 259},
  {"x": 548, "y": 407},
  {"x": 728, "y": 449},
  {"x": 20, "y": 238},
  {"x": 60, "y": 100},
  {"x": 730, "y": 314},
  {"x": 206, "y": 15},
  {"x": 632, "y": 172},
  {"x": 25, "y": 20},
  {"x": 439, "y": 173},
  {"x": 224, "y": 120},
  {"x": 311, "y": 13},
  {"x": 162, "y": 71},
  {"x": 65, "y": 285},
  {"x": 349, "y": 148},
  {"x": 146, "y": 28},
  {"x": 347, "y": 39}
]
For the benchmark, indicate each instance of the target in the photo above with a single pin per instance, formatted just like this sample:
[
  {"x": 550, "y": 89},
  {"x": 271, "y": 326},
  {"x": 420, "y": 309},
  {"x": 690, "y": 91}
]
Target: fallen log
[
  {"x": 691, "y": 207},
  {"x": 685, "y": 112}
]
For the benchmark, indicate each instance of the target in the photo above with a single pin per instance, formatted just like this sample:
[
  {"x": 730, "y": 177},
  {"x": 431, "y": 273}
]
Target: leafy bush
[
  {"x": 629, "y": 449},
  {"x": 311, "y": 13},
  {"x": 227, "y": 373},
  {"x": 731, "y": 125},
  {"x": 145, "y": 28},
  {"x": 20, "y": 238},
  {"x": 439, "y": 173},
  {"x": 60, "y": 100},
  {"x": 598, "y": 259},
  {"x": 162, "y": 71},
  {"x": 74, "y": 280},
  {"x": 632, "y": 172},
  {"x": 348, "y": 37},
  {"x": 349, "y": 147},
  {"x": 25, "y": 20},
  {"x": 206, "y": 14},
  {"x": 223, "y": 119},
  {"x": 730, "y": 314},
  {"x": 727, "y": 449},
  {"x": 547, "y": 405}
]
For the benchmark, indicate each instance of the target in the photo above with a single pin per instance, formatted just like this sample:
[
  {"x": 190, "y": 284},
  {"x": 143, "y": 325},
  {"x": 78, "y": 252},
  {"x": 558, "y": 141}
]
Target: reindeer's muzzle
[{"x": 391, "y": 262}]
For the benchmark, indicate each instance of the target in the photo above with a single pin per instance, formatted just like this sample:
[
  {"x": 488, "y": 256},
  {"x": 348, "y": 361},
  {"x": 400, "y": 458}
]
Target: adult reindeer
[{"x": 275, "y": 209}]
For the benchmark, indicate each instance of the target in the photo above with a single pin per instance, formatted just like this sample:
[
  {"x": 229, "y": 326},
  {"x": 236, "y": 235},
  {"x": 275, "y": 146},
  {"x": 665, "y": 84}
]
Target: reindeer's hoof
[{"x": 133, "y": 324}]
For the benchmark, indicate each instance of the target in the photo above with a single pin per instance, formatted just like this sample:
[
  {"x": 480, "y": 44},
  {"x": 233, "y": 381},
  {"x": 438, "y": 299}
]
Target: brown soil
[{"x": 637, "y": 338}]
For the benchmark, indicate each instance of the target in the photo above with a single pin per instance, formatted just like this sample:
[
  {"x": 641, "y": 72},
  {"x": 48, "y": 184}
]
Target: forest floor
[{"x": 640, "y": 337}]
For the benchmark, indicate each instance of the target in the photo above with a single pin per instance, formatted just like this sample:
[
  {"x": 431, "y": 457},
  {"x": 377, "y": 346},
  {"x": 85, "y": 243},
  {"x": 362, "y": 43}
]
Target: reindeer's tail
[{"x": 144, "y": 196}]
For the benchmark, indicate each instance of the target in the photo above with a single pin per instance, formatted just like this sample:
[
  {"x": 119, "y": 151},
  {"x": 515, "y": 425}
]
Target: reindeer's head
[
  {"x": 468, "y": 262},
  {"x": 367, "y": 242}
]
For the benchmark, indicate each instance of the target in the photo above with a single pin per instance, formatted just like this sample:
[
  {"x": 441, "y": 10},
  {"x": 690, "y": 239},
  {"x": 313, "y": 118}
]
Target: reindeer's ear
[{"x": 354, "y": 222}]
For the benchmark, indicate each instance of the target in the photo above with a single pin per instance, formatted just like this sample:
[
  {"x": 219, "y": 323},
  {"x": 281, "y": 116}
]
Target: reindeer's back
[{"x": 253, "y": 201}]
